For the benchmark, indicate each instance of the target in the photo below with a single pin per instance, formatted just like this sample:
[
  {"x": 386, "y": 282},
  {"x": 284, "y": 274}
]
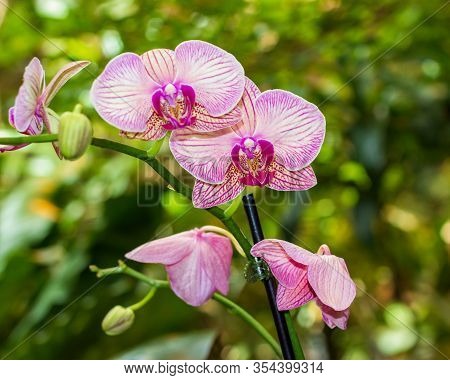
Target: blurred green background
[{"x": 380, "y": 73}]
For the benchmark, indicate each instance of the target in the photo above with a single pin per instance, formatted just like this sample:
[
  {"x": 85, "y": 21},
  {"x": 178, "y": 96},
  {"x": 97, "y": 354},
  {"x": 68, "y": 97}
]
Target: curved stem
[
  {"x": 227, "y": 234},
  {"x": 144, "y": 300},
  {"x": 247, "y": 317},
  {"x": 122, "y": 268}
]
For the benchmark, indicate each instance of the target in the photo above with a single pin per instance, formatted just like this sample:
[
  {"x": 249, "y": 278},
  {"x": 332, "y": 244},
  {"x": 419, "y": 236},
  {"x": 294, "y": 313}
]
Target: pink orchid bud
[
  {"x": 197, "y": 263},
  {"x": 304, "y": 276}
]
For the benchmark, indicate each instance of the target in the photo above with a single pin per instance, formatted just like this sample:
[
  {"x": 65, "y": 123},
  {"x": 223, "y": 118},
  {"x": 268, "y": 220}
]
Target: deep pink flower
[
  {"x": 304, "y": 276},
  {"x": 279, "y": 136},
  {"x": 29, "y": 114},
  {"x": 196, "y": 86},
  {"x": 197, "y": 263}
]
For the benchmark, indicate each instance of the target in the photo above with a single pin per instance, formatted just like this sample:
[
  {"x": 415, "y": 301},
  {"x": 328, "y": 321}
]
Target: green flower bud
[
  {"x": 118, "y": 320},
  {"x": 75, "y": 134}
]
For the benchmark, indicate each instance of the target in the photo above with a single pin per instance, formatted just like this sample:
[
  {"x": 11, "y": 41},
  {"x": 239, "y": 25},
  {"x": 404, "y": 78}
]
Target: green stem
[
  {"x": 155, "y": 147},
  {"x": 144, "y": 300},
  {"x": 298, "y": 350},
  {"x": 176, "y": 184},
  {"x": 247, "y": 317},
  {"x": 28, "y": 139},
  {"x": 230, "y": 305},
  {"x": 234, "y": 205}
]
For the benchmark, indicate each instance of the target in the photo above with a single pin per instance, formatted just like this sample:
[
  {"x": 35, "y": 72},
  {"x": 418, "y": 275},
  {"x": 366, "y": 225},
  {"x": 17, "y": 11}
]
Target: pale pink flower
[
  {"x": 197, "y": 263},
  {"x": 29, "y": 114},
  {"x": 196, "y": 86},
  {"x": 304, "y": 276},
  {"x": 279, "y": 136}
]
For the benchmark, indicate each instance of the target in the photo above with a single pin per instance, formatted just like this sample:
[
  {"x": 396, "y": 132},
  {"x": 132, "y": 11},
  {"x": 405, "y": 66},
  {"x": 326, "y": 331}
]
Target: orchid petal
[
  {"x": 217, "y": 252},
  {"x": 197, "y": 263},
  {"x": 11, "y": 116},
  {"x": 334, "y": 318},
  {"x": 61, "y": 77},
  {"x": 27, "y": 99},
  {"x": 160, "y": 65},
  {"x": 206, "y": 195},
  {"x": 204, "y": 122},
  {"x": 122, "y": 93},
  {"x": 285, "y": 180},
  {"x": 205, "y": 155},
  {"x": 207, "y": 268},
  {"x": 247, "y": 105},
  {"x": 35, "y": 127},
  {"x": 216, "y": 76},
  {"x": 288, "y": 272},
  {"x": 296, "y": 253},
  {"x": 189, "y": 280},
  {"x": 52, "y": 121},
  {"x": 330, "y": 279},
  {"x": 10, "y": 148},
  {"x": 294, "y": 126},
  {"x": 168, "y": 251},
  {"x": 288, "y": 299},
  {"x": 52, "y": 124},
  {"x": 154, "y": 130}
]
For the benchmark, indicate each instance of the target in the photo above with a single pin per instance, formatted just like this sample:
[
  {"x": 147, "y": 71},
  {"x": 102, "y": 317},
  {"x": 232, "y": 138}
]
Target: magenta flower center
[
  {"x": 173, "y": 103},
  {"x": 252, "y": 158}
]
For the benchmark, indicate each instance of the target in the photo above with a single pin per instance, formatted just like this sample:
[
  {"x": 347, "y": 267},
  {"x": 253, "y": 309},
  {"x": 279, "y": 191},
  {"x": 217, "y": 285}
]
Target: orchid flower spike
[
  {"x": 196, "y": 87},
  {"x": 279, "y": 136},
  {"x": 304, "y": 276},
  {"x": 197, "y": 263},
  {"x": 29, "y": 114}
]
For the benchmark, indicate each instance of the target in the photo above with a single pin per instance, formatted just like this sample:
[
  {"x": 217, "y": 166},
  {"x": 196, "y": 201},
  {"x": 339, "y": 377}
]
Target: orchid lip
[
  {"x": 11, "y": 116},
  {"x": 173, "y": 103},
  {"x": 252, "y": 158},
  {"x": 38, "y": 113}
]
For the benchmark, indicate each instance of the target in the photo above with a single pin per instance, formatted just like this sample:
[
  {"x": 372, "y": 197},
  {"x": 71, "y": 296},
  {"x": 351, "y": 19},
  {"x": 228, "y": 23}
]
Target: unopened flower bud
[
  {"x": 118, "y": 320},
  {"x": 75, "y": 134}
]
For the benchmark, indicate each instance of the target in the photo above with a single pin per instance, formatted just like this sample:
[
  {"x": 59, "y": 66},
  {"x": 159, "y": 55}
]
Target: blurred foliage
[{"x": 380, "y": 73}]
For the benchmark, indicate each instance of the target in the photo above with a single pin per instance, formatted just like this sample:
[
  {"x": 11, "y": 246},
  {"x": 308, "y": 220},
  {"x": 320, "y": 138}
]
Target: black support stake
[{"x": 270, "y": 285}]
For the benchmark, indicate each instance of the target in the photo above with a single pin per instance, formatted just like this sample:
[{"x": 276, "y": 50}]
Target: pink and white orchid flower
[
  {"x": 279, "y": 136},
  {"x": 304, "y": 276},
  {"x": 29, "y": 114},
  {"x": 197, "y": 86},
  {"x": 197, "y": 263}
]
